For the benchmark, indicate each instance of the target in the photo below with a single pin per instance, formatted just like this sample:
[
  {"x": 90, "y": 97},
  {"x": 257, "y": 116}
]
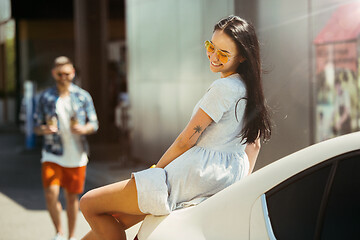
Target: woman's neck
[{"x": 227, "y": 74}]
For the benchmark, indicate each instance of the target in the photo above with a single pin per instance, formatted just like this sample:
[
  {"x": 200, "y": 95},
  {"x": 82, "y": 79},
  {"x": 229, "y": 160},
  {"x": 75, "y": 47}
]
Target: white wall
[
  {"x": 283, "y": 30},
  {"x": 286, "y": 30},
  {"x": 168, "y": 70}
]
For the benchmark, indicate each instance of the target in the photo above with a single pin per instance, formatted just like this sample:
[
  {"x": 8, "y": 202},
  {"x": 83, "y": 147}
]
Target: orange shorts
[{"x": 71, "y": 179}]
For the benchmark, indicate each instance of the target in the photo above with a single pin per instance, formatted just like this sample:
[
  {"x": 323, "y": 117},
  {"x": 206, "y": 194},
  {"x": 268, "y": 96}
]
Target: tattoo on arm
[{"x": 197, "y": 129}]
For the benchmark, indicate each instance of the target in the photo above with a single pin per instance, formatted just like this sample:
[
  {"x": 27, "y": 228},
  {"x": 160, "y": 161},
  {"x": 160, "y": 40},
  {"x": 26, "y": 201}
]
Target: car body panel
[
  {"x": 260, "y": 227},
  {"x": 238, "y": 209}
]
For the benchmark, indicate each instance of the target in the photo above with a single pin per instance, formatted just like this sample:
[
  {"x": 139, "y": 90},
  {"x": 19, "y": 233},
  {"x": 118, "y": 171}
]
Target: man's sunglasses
[
  {"x": 63, "y": 74},
  {"x": 222, "y": 56}
]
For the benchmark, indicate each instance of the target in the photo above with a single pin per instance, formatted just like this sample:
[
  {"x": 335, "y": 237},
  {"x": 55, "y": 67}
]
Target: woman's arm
[
  {"x": 187, "y": 138},
  {"x": 252, "y": 150}
]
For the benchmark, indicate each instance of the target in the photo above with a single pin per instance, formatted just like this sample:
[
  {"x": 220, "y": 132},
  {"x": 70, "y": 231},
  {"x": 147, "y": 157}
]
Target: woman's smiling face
[{"x": 224, "y": 43}]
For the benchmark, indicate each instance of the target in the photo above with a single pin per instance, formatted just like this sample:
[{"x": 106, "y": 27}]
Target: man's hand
[
  {"x": 82, "y": 129},
  {"x": 46, "y": 129}
]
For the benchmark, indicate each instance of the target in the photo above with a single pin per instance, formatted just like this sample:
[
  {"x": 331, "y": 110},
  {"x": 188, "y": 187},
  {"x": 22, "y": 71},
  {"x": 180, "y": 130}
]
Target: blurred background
[{"x": 144, "y": 63}]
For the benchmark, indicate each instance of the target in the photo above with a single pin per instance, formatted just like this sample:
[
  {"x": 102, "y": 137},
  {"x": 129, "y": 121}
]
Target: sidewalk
[
  {"x": 22, "y": 205},
  {"x": 100, "y": 173}
]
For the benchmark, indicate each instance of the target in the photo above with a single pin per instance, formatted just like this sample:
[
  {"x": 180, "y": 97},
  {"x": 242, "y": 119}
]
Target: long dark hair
[{"x": 257, "y": 120}]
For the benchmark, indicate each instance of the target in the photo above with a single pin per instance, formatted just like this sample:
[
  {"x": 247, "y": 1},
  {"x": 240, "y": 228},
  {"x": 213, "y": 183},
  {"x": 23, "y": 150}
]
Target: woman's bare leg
[
  {"x": 100, "y": 204},
  {"x": 129, "y": 220},
  {"x": 90, "y": 236}
]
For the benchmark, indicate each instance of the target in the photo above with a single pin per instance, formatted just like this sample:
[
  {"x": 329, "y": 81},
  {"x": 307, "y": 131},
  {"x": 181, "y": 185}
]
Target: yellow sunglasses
[{"x": 222, "y": 56}]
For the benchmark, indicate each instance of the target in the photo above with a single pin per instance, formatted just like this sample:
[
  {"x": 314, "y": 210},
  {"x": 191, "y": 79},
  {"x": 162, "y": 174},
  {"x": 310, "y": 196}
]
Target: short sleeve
[
  {"x": 90, "y": 111},
  {"x": 219, "y": 99}
]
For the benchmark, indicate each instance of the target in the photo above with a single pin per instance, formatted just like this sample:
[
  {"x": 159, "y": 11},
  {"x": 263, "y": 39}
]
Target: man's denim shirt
[{"x": 83, "y": 106}]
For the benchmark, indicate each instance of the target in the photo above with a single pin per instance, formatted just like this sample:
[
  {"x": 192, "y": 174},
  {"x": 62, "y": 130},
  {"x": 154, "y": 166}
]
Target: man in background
[{"x": 64, "y": 115}]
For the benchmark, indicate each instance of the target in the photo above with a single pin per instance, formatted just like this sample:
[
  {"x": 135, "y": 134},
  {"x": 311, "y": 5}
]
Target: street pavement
[{"x": 22, "y": 205}]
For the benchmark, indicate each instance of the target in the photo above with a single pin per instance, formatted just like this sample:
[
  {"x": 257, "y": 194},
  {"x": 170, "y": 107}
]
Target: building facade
[
  {"x": 168, "y": 68},
  {"x": 148, "y": 57}
]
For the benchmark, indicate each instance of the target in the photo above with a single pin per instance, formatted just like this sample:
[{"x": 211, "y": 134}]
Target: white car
[{"x": 311, "y": 194}]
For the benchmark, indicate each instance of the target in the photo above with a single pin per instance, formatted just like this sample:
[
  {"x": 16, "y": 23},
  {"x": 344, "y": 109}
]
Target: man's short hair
[{"x": 61, "y": 61}]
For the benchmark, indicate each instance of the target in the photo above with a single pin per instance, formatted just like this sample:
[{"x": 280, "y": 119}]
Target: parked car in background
[{"x": 311, "y": 194}]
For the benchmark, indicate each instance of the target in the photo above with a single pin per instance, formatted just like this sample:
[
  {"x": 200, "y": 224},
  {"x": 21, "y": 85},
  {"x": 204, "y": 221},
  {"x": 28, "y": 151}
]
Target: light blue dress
[{"x": 216, "y": 161}]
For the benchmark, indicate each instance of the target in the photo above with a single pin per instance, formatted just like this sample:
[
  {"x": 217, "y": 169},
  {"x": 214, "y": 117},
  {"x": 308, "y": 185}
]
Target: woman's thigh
[
  {"x": 120, "y": 197},
  {"x": 128, "y": 220}
]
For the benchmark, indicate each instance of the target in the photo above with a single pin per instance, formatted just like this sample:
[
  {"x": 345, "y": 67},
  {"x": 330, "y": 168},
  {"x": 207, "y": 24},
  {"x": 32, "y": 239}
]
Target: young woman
[{"x": 218, "y": 147}]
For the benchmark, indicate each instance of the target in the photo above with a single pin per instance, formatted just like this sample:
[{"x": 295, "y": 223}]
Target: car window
[
  {"x": 342, "y": 215},
  {"x": 319, "y": 203},
  {"x": 293, "y": 205}
]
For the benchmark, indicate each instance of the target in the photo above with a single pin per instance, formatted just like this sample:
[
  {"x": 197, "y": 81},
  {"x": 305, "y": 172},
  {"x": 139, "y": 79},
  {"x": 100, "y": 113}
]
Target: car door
[{"x": 321, "y": 202}]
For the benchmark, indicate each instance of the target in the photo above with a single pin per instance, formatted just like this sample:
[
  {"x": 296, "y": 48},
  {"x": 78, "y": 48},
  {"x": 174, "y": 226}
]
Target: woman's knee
[{"x": 86, "y": 202}]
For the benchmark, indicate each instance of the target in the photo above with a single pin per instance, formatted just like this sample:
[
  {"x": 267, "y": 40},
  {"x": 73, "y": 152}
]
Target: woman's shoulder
[{"x": 233, "y": 83}]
